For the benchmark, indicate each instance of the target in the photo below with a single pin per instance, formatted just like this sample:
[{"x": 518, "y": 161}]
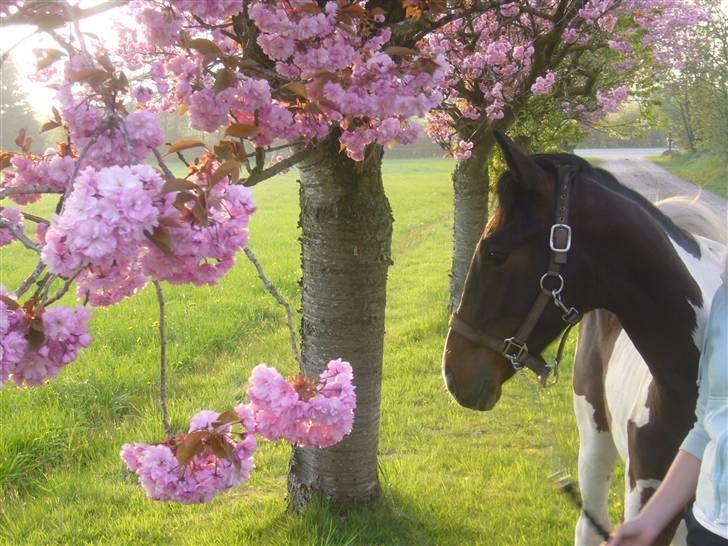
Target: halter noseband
[{"x": 514, "y": 348}]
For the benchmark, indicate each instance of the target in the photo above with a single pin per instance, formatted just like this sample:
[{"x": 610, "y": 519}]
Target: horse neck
[{"x": 659, "y": 303}]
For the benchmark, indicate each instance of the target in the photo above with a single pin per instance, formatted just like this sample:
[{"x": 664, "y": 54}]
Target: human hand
[{"x": 636, "y": 532}]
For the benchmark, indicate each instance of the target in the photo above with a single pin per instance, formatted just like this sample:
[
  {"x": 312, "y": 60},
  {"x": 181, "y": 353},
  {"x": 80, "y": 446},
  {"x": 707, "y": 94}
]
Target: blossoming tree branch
[{"x": 278, "y": 78}]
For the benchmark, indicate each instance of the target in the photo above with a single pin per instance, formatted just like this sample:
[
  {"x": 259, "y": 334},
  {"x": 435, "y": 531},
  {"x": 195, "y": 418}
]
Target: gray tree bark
[
  {"x": 470, "y": 182},
  {"x": 346, "y": 233}
]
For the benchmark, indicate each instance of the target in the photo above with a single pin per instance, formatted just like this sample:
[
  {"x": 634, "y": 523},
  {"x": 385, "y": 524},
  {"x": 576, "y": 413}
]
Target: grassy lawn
[
  {"x": 703, "y": 168},
  {"x": 450, "y": 475}
]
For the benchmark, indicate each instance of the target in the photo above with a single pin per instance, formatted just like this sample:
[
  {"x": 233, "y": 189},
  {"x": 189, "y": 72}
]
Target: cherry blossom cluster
[
  {"x": 194, "y": 467},
  {"x": 51, "y": 170},
  {"x": 119, "y": 227},
  {"x": 202, "y": 250},
  {"x": 213, "y": 456},
  {"x": 102, "y": 229},
  {"x": 303, "y": 412},
  {"x": 14, "y": 217},
  {"x": 106, "y": 140},
  {"x": 337, "y": 63},
  {"x": 498, "y": 68},
  {"x": 35, "y": 344}
]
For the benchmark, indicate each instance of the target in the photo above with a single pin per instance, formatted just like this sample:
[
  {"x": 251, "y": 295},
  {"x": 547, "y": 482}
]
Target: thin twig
[
  {"x": 64, "y": 288},
  {"x": 30, "y": 188},
  {"x": 272, "y": 289},
  {"x": 162, "y": 165},
  {"x": 20, "y": 236},
  {"x": 34, "y": 218},
  {"x": 27, "y": 283},
  {"x": 162, "y": 359},
  {"x": 263, "y": 174}
]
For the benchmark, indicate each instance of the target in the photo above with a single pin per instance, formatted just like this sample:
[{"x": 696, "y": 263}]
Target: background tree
[
  {"x": 15, "y": 110},
  {"x": 694, "y": 99},
  {"x": 521, "y": 63}
]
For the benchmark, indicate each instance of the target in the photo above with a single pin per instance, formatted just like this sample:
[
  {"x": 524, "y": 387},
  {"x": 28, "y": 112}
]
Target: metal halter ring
[
  {"x": 556, "y": 291},
  {"x": 514, "y": 351}
]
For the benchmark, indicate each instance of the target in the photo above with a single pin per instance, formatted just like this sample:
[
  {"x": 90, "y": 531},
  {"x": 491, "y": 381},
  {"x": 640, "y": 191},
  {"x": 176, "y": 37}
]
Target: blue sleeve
[{"x": 697, "y": 438}]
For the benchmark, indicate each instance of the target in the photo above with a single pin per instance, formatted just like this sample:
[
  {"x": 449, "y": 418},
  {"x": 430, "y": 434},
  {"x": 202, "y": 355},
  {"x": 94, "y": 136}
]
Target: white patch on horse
[
  {"x": 703, "y": 270},
  {"x": 597, "y": 456},
  {"x": 626, "y": 385},
  {"x": 633, "y": 499}
]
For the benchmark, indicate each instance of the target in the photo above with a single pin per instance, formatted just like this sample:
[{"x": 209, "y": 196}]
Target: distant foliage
[{"x": 695, "y": 100}]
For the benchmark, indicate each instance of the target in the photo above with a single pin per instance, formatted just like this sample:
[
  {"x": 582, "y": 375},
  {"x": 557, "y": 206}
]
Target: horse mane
[{"x": 508, "y": 193}]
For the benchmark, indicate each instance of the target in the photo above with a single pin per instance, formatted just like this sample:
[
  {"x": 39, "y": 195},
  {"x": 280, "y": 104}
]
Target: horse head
[{"x": 512, "y": 273}]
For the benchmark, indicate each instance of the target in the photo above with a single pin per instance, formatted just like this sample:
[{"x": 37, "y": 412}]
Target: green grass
[
  {"x": 703, "y": 168},
  {"x": 450, "y": 475}
]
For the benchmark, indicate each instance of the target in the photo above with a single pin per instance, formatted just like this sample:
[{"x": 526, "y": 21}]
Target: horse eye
[{"x": 495, "y": 257}]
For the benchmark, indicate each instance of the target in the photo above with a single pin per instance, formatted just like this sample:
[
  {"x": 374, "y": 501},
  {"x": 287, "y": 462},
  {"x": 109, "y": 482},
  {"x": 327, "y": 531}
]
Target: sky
[{"x": 22, "y": 56}]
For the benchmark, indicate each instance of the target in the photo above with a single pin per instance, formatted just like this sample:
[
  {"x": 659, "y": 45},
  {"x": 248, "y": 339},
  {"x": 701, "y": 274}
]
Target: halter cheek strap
[{"x": 514, "y": 348}]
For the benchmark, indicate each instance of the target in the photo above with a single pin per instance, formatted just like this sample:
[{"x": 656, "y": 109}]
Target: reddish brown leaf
[
  {"x": 399, "y": 51},
  {"x": 184, "y": 145},
  {"x": 224, "y": 79},
  {"x": 92, "y": 75},
  {"x": 182, "y": 198},
  {"x": 310, "y": 8},
  {"x": 20, "y": 139},
  {"x": 221, "y": 446},
  {"x": 178, "y": 184},
  {"x": 10, "y": 303},
  {"x": 160, "y": 237},
  {"x": 298, "y": 88},
  {"x": 226, "y": 417},
  {"x": 192, "y": 445},
  {"x": 35, "y": 338},
  {"x": 229, "y": 168},
  {"x": 229, "y": 149},
  {"x": 199, "y": 212},
  {"x": 169, "y": 221},
  {"x": 51, "y": 56},
  {"x": 49, "y": 125},
  {"x": 5, "y": 158},
  {"x": 206, "y": 47},
  {"x": 242, "y": 130}
]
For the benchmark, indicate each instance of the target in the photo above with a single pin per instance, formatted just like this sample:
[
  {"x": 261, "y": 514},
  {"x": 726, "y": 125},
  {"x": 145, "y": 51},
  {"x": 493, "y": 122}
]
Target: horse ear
[{"x": 526, "y": 171}]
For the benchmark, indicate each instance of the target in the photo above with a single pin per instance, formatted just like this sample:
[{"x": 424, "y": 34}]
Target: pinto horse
[{"x": 565, "y": 240}]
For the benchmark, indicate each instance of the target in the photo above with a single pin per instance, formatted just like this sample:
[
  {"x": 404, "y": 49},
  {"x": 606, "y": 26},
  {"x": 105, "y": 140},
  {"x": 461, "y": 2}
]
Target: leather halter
[{"x": 514, "y": 348}]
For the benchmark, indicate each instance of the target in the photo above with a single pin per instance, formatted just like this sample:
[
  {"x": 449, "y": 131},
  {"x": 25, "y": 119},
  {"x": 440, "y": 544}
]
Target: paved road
[{"x": 632, "y": 169}]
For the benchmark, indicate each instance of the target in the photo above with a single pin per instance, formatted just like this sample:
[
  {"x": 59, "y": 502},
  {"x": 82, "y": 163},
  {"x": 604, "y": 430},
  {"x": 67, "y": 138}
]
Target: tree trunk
[
  {"x": 470, "y": 182},
  {"x": 346, "y": 233}
]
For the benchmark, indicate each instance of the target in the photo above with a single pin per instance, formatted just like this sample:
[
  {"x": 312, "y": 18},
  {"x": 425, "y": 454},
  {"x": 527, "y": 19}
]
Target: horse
[{"x": 568, "y": 239}]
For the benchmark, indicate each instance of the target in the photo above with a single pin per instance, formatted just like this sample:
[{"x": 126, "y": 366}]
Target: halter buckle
[
  {"x": 514, "y": 350},
  {"x": 571, "y": 316},
  {"x": 557, "y": 229}
]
